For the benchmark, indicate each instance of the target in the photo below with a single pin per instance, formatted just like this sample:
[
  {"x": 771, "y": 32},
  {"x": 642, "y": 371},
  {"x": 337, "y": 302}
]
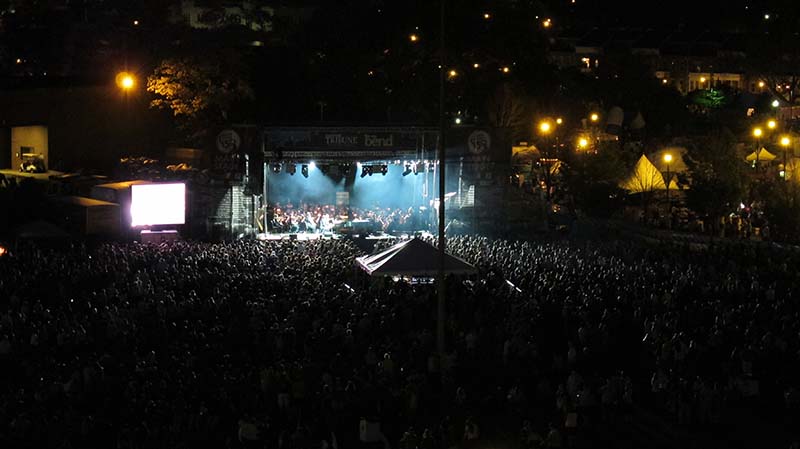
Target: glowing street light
[
  {"x": 583, "y": 143},
  {"x": 775, "y": 103},
  {"x": 668, "y": 160},
  {"x": 760, "y": 84},
  {"x": 772, "y": 124},
  {"x": 547, "y": 23},
  {"x": 413, "y": 37},
  {"x": 125, "y": 81},
  {"x": 757, "y": 133},
  {"x": 476, "y": 66},
  {"x": 506, "y": 69},
  {"x": 559, "y": 121},
  {"x": 785, "y": 142},
  {"x": 545, "y": 127},
  {"x": 452, "y": 73},
  {"x": 487, "y": 16},
  {"x": 594, "y": 117}
]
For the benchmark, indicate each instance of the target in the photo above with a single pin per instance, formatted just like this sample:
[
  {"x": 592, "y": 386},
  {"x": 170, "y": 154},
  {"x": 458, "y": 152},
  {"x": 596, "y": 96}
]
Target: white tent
[
  {"x": 763, "y": 156},
  {"x": 646, "y": 178}
]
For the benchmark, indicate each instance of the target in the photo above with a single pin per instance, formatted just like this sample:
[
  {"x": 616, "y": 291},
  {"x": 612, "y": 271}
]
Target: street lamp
[
  {"x": 583, "y": 143},
  {"x": 668, "y": 160},
  {"x": 775, "y": 103},
  {"x": 757, "y": 133},
  {"x": 125, "y": 81},
  {"x": 772, "y": 124},
  {"x": 545, "y": 127},
  {"x": 785, "y": 142},
  {"x": 594, "y": 117}
]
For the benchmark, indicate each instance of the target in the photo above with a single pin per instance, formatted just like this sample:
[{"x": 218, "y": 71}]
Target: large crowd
[{"x": 285, "y": 345}]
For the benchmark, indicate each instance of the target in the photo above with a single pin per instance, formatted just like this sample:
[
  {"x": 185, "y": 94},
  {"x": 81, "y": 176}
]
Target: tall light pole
[
  {"x": 126, "y": 82},
  {"x": 785, "y": 142},
  {"x": 668, "y": 160},
  {"x": 442, "y": 294},
  {"x": 757, "y": 133}
]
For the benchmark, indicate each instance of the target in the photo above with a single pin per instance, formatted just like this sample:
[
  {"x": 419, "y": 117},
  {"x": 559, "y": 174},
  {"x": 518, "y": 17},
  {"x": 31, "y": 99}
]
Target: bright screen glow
[{"x": 158, "y": 204}]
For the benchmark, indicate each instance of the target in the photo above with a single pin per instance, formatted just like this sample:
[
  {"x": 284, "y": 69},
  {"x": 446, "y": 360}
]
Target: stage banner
[{"x": 349, "y": 142}]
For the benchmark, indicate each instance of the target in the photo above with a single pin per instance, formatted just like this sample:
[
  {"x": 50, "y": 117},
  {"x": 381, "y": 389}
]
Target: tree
[
  {"x": 592, "y": 179},
  {"x": 716, "y": 174},
  {"x": 200, "y": 94},
  {"x": 506, "y": 108}
]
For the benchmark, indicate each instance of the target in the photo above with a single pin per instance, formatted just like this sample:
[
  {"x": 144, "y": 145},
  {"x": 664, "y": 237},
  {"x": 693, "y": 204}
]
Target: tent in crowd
[
  {"x": 412, "y": 258},
  {"x": 646, "y": 178},
  {"x": 763, "y": 155}
]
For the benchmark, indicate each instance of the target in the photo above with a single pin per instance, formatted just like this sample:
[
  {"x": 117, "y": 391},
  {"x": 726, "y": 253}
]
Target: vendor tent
[
  {"x": 412, "y": 258},
  {"x": 646, "y": 178},
  {"x": 763, "y": 156}
]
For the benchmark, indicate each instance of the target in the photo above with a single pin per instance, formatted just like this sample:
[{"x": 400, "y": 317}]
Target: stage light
[
  {"x": 408, "y": 170},
  {"x": 366, "y": 170},
  {"x": 415, "y": 167},
  {"x": 345, "y": 169},
  {"x": 291, "y": 169},
  {"x": 312, "y": 165},
  {"x": 276, "y": 168},
  {"x": 304, "y": 170},
  {"x": 384, "y": 169}
]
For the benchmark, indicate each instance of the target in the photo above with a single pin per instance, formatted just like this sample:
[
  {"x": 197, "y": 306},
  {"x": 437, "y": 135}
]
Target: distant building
[
  {"x": 686, "y": 61},
  {"x": 201, "y": 14},
  {"x": 70, "y": 128}
]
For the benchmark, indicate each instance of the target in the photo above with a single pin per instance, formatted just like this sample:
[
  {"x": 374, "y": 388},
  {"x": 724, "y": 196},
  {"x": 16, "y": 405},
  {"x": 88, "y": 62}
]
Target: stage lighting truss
[
  {"x": 304, "y": 170},
  {"x": 291, "y": 169},
  {"x": 366, "y": 170}
]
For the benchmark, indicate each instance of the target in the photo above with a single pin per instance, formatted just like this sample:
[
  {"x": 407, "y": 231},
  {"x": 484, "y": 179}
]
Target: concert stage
[{"x": 303, "y": 236}]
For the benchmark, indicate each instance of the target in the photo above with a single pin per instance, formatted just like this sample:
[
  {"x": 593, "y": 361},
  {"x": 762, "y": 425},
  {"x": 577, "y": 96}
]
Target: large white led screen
[{"x": 158, "y": 204}]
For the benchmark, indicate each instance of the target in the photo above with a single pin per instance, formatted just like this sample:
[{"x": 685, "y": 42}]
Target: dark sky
[{"x": 702, "y": 14}]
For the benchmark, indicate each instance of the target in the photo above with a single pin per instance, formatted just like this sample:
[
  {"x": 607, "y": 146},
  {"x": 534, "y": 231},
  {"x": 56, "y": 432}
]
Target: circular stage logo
[
  {"x": 227, "y": 141},
  {"x": 479, "y": 142}
]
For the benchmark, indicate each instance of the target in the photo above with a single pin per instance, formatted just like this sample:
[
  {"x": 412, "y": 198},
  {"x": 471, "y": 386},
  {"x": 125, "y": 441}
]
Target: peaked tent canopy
[
  {"x": 646, "y": 178},
  {"x": 412, "y": 258},
  {"x": 763, "y": 155}
]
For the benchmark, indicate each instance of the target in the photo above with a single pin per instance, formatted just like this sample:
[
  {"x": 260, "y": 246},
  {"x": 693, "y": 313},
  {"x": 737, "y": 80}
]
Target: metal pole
[
  {"x": 265, "y": 186},
  {"x": 440, "y": 344},
  {"x": 669, "y": 203}
]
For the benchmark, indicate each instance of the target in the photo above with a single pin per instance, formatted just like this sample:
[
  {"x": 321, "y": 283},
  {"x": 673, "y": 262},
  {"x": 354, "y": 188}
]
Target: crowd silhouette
[{"x": 283, "y": 344}]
